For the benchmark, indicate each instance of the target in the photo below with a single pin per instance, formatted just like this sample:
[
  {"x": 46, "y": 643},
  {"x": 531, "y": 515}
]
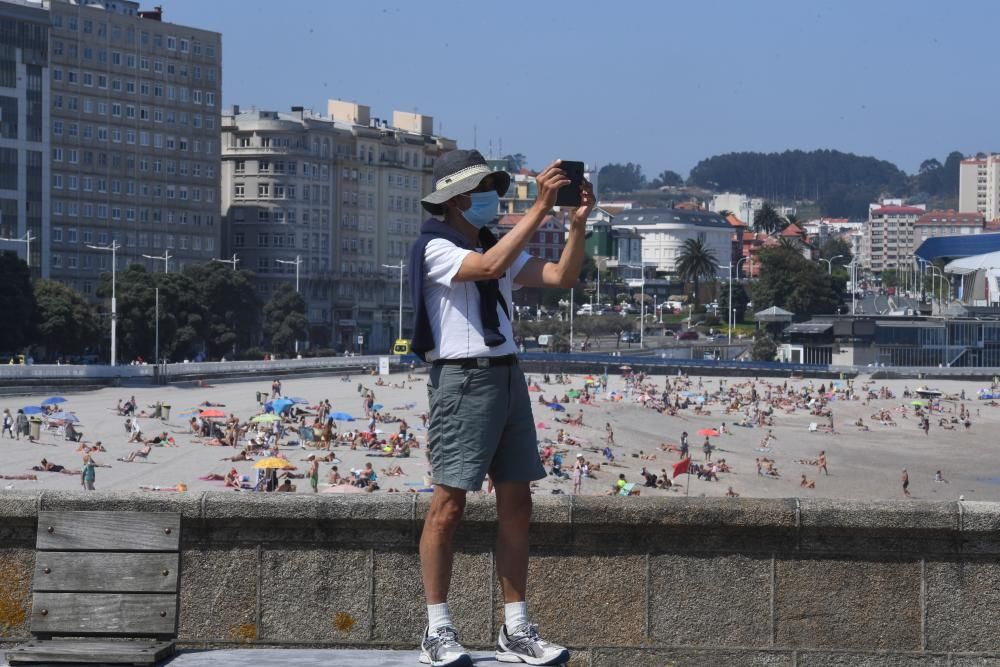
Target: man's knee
[{"x": 447, "y": 507}]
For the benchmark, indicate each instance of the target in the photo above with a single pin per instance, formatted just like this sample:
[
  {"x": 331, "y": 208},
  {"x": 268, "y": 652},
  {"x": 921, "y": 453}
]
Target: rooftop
[
  {"x": 898, "y": 210},
  {"x": 951, "y": 218},
  {"x": 663, "y": 216}
]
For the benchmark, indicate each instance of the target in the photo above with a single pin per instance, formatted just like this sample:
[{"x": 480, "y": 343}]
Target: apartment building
[
  {"x": 979, "y": 186},
  {"x": 889, "y": 235},
  {"x": 934, "y": 224},
  {"x": 345, "y": 206},
  {"x": 135, "y": 132},
  {"x": 24, "y": 136}
]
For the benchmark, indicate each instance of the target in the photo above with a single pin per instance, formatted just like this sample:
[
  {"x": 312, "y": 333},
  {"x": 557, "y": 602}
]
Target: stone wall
[{"x": 636, "y": 581}]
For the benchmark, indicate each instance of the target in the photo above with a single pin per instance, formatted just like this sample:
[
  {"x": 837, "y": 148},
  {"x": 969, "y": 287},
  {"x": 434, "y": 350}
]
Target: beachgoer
[
  {"x": 8, "y": 424},
  {"x": 462, "y": 323},
  {"x": 87, "y": 473},
  {"x": 905, "y": 479},
  {"x": 821, "y": 463},
  {"x": 313, "y": 473}
]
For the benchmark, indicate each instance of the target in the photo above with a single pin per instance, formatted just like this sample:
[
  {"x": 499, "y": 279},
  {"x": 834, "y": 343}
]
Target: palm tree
[
  {"x": 767, "y": 220},
  {"x": 696, "y": 261}
]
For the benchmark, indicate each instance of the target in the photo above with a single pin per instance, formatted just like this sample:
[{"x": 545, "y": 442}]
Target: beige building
[
  {"x": 979, "y": 186},
  {"x": 348, "y": 203},
  {"x": 946, "y": 223},
  {"x": 889, "y": 235},
  {"x": 135, "y": 140}
]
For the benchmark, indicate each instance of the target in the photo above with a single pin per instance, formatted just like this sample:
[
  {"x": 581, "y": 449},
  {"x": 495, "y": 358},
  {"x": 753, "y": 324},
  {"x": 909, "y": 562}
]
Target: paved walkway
[{"x": 276, "y": 657}]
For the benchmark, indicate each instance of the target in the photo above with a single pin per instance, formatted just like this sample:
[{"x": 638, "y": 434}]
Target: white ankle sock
[
  {"x": 515, "y": 615},
  {"x": 438, "y": 616}
]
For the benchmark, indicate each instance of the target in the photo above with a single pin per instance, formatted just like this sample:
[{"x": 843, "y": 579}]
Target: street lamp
[
  {"x": 642, "y": 301},
  {"x": 234, "y": 261},
  {"x": 297, "y": 263},
  {"x": 28, "y": 238},
  {"x": 731, "y": 315},
  {"x": 402, "y": 266},
  {"x": 829, "y": 263},
  {"x": 165, "y": 259},
  {"x": 113, "y": 249}
]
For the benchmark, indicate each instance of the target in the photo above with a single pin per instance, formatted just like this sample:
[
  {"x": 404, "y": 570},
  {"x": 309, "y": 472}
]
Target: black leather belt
[{"x": 479, "y": 362}]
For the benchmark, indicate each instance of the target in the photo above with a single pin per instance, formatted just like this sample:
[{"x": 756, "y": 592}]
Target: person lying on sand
[
  {"x": 26, "y": 476},
  {"x": 393, "y": 471},
  {"x": 242, "y": 456},
  {"x": 141, "y": 453},
  {"x": 807, "y": 483},
  {"x": 54, "y": 467}
]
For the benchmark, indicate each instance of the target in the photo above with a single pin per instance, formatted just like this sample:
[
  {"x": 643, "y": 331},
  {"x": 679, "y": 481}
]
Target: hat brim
[{"x": 434, "y": 202}]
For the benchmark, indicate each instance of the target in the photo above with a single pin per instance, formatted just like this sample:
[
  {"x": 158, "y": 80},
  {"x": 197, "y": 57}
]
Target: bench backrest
[{"x": 106, "y": 574}]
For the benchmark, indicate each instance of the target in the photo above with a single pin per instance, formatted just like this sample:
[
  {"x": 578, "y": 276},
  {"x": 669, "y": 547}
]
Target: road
[{"x": 881, "y": 304}]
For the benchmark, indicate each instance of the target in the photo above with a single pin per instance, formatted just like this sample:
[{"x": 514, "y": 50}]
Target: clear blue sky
[{"x": 664, "y": 84}]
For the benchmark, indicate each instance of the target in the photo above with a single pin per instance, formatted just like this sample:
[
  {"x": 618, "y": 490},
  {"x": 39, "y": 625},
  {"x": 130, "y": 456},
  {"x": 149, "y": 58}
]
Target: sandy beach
[{"x": 861, "y": 464}]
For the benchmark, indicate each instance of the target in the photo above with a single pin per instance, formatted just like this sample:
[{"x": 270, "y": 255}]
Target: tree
[
  {"x": 930, "y": 177},
  {"x": 515, "y": 162},
  {"x": 667, "y": 178},
  {"x": 740, "y": 300},
  {"x": 136, "y": 310},
  {"x": 231, "y": 307},
  {"x": 949, "y": 179},
  {"x": 696, "y": 261},
  {"x": 616, "y": 177},
  {"x": 285, "y": 319},
  {"x": 66, "y": 323},
  {"x": 790, "y": 281},
  {"x": 767, "y": 220},
  {"x": 764, "y": 348},
  {"x": 17, "y": 303},
  {"x": 836, "y": 247}
]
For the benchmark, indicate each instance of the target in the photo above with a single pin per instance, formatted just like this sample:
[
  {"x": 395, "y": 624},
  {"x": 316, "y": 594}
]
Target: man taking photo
[{"x": 461, "y": 279}]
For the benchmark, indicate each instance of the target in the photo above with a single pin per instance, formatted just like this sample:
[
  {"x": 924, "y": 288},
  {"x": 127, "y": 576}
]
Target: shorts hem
[{"x": 458, "y": 484}]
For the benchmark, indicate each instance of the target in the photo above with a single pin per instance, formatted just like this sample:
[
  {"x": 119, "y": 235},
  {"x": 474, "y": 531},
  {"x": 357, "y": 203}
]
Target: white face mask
[{"x": 483, "y": 210}]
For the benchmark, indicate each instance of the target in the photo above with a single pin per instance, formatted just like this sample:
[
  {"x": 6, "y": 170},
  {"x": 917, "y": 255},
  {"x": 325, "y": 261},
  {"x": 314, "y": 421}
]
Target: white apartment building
[
  {"x": 337, "y": 193},
  {"x": 135, "y": 140},
  {"x": 745, "y": 208},
  {"x": 889, "y": 235},
  {"x": 979, "y": 186},
  {"x": 664, "y": 231},
  {"x": 24, "y": 133}
]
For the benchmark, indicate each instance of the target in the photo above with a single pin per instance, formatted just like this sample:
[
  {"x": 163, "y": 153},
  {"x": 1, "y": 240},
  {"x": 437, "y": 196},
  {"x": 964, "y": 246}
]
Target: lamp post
[
  {"x": 402, "y": 266},
  {"x": 156, "y": 352},
  {"x": 572, "y": 307},
  {"x": 642, "y": 301},
  {"x": 234, "y": 261},
  {"x": 28, "y": 238},
  {"x": 829, "y": 263},
  {"x": 113, "y": 249},
  {"x": 165, "y": 259},
  {"x": 854, "y": 284},
  {"x": 297, "y": 263}
]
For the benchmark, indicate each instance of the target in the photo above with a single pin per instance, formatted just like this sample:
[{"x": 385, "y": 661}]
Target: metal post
[
  {"x": 402, "y": 266},
  {"x": 729, "y": 306},
  {"x": 571, "y": 309},
  {"x": 165, "y": 258},
  {"x": 113, "y": 249},
  {"x": 297, "y": 263},
  {"x": 642, "y": 310},
  {"x": 156, "y": 354}
]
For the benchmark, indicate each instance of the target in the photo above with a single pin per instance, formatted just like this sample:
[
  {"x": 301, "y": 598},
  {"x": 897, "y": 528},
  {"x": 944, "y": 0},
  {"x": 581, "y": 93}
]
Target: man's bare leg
[
  {"x": 436, "y": 548},
  {"x": 514, "y": 514}
]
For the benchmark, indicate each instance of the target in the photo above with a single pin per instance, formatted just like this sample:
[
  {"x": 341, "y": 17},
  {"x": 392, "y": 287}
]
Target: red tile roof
[
  {"x": 791, "y": 230},
  {"x": 735, "y": 221},
  {"x": 898, "y": 210},
  {"x": 950, "y": 218}
]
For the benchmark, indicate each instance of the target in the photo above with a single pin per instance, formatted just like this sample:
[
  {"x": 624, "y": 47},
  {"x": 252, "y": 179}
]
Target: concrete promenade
[{"x": 623, "y": 581}]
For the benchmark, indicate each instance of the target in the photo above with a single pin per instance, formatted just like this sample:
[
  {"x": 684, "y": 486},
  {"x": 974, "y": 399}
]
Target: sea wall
[{"x": 636, "y": 581}]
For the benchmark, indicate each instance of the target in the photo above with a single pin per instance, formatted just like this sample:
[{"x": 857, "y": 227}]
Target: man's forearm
[
  {"x": 507, "y": 249},
  {"x": 571, "y": 258}
]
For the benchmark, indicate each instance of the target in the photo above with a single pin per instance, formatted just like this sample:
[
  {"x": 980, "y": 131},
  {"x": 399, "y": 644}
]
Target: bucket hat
[{"x": 457, "y": 172}]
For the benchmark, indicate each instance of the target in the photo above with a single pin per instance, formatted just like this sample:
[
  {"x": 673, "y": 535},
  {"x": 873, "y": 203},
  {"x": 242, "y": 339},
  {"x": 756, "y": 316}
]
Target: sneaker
[
  {"x": 524, "y": 645},
  {"x": 441, "y": 649}
]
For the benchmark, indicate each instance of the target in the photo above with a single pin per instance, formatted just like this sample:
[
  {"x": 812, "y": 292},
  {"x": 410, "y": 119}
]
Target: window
[
  {"x": 238, "y": 189},
  {"x": 263, "y": 190},
  {"x": 171, "y": 43}
]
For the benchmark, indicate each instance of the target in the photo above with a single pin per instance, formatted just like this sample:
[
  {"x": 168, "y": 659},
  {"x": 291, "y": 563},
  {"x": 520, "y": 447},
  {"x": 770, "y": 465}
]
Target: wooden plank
[
  {"x": 121, "y": 614},
  {"x": 108, "y": 531},
  {"x": 91, "y": 572},
  {"x": 136, "y": 652}
]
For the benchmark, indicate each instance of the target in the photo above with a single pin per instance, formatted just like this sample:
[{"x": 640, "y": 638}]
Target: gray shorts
[{"x": 481, "y": 422}]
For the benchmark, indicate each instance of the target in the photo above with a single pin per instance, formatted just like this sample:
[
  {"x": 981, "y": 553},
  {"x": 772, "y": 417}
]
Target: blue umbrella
[
  {"x": 340, "y": 417},
  {"x": 31, "y": 410},
  {"x": 295, "y": 399},
  {"x": 279, "y": 405},
  {"x": 64, "y": 416},
  {"x": 55, "y": 400},
  {"x": 557, "y": 407},
  {"x": 377, "y": 406}
]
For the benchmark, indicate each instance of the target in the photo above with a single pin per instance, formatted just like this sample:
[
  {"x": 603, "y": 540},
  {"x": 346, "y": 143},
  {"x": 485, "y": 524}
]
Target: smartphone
[{"x": 569, "y": 195}]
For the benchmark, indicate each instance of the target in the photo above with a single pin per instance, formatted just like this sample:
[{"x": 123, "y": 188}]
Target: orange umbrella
[
  {"x": 708, "y": 431},
  {"x": 211, "y": 413}
]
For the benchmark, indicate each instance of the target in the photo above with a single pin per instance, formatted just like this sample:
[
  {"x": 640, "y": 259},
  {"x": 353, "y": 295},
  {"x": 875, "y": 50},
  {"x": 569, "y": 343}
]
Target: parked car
[
  {"x": 688, "y": 335},
  {"x": 631, "y": 337}
]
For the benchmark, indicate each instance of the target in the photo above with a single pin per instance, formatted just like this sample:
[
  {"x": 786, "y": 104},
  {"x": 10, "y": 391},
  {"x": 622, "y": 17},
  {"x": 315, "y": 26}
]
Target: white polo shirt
[{"x": 453, "y": 307}]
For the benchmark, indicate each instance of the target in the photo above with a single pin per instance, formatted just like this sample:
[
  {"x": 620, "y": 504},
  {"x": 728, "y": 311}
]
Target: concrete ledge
[{"x": 636, "y": 581}]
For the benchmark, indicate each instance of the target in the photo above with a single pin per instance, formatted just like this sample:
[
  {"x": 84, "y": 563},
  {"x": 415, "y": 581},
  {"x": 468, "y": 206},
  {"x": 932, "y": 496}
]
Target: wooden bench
[{"x": 105, "y": 589}]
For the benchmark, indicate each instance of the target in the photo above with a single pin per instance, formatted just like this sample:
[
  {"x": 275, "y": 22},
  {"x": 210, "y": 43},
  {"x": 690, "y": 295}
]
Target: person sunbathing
[
  {"x": 24, "y": 477},
  {"x": 53, "y": 467},
  {"x": 180, "y": 487},
  {"x": 731, "y": 494},
  {"x": 90, "y": 449},
  {"x": 807, "y": 483},
  {"x": 142, "y": 453},
  {"x": 242, "y": 456},
  {"x": 213, "y": 477},
  {"x": 394, "y": 471}
]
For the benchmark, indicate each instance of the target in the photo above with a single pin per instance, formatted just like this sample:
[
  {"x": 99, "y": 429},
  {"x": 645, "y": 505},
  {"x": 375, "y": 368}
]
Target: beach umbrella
[
  {"x": 919, "y": 404},
  {"x": 265, "y": 418},
  {"x": 208, "y": 414},
  {"x": 54, "y": 400},
  {"x": 377, "y": 406},
  {"x": 31, "y": 410},
  {"x": 279, "y": 405},
  {"x": 708, "y": 431},
  {"x": 557, "y": 407},
  {"x": 273, "y": 462},
  {"x": 65, "y": 416},
  {"x": 340, "y": 417}
]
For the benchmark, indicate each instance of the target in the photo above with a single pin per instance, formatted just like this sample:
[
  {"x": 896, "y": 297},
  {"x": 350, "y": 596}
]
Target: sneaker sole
[
  {"x": 560, "y": 659},
  {"x": 461, "y": 661}
]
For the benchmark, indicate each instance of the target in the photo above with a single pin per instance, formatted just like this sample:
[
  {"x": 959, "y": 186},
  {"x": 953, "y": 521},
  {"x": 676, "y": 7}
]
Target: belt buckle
[{"x": 482, "y": 362}]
